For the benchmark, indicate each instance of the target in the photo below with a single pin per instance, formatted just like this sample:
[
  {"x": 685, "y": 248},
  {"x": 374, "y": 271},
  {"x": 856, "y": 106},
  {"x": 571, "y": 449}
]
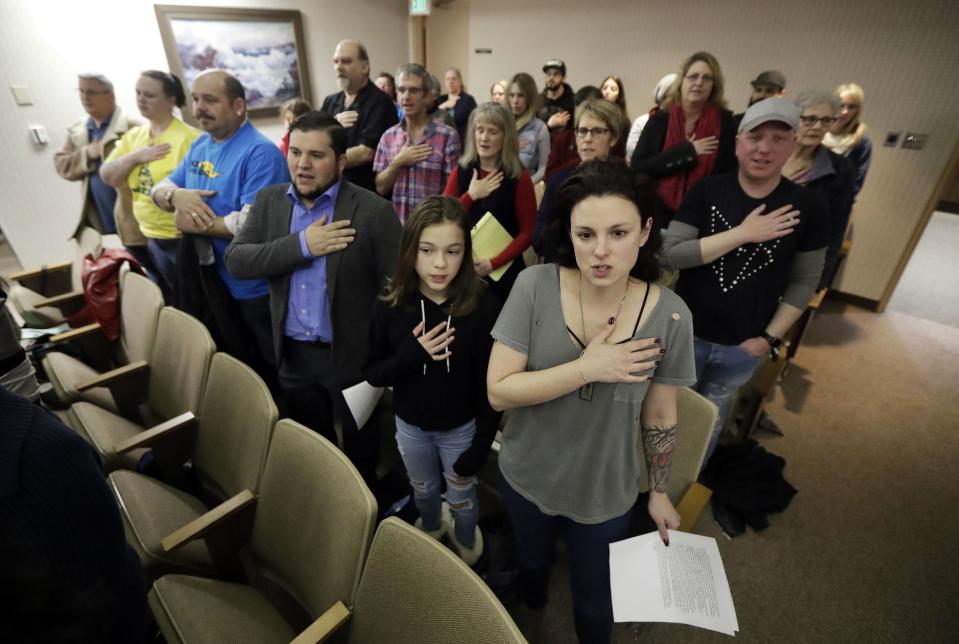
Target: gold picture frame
[{"x": 264, "y": 48}]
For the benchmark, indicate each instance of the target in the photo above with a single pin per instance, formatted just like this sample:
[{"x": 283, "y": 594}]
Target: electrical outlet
[{"x": 914, "y": 141}]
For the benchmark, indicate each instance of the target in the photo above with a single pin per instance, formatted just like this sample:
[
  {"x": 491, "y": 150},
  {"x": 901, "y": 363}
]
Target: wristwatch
[
  {"x": 168, "y": 195},
  {"x": 774, "y": 344}
]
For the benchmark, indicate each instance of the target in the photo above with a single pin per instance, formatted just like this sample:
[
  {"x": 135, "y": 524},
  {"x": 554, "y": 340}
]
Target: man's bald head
[
  {"x": 219, "y": 102},
  {"x": 352, "y": 65}
]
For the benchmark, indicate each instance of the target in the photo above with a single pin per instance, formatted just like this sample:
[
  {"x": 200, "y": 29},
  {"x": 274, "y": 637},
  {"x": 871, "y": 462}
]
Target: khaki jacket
[{"x": 73, "y": 165}]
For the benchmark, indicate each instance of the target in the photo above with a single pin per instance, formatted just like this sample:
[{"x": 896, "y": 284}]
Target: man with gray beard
[{"x": 361, "y": 108}]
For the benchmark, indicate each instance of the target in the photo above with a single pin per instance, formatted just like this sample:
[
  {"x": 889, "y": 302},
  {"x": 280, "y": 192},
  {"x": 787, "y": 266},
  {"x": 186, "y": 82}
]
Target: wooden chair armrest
[
  {"x": 817, "y": 299},
  {"x": 37, "y": 272},
  {"x": 325, "y": 625},
  {"x": 155, "y": 433},
  {"x": 114, "y": 375},
  {"x": 208, "y": 521},
  {"x": 60, "y": 300},
  {"x": 74, "y": 334},
  {"x": 692, "y": 504}
]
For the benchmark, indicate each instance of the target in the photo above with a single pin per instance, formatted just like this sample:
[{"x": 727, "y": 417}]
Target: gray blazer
[{"x": 355, "y": 276}]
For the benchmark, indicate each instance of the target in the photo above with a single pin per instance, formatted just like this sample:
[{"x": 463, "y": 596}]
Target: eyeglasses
[
  {"x": 415, "y": 91},
  {"x": 92, "y": 92},
  {"x": 811, "y": 120},
  {"x": 583, "y": 132},
  {"x": 706, "y": 78}
]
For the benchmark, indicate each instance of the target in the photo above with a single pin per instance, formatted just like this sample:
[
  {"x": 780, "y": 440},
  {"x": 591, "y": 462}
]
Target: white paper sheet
[
  {"x": 361, "y": 399},
  {"x": 684, "y": 583}
]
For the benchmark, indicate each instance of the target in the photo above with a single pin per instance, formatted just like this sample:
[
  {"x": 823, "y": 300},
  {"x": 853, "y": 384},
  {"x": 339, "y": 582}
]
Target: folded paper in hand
[
  {"x": 684, "y": 583},
  {"x": 489, "y": 239},
  {"x": 361, "y": 398}
]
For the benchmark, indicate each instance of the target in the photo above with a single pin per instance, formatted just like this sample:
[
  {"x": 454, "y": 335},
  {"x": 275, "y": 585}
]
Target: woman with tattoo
[{"x": 588, "y": 356}]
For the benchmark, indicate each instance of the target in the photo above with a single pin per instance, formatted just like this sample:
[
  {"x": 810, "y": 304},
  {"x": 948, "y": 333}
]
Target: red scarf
[{"x": 673, "y": 188}]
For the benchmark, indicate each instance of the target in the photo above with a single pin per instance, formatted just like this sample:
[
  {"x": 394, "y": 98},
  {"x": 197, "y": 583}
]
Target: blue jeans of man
[
  {"x": 721, "y": 369},
  {"x": 587, "y": 547},
  {"x": 163, "y": 252},
  {"x": 429, "y": 457}
]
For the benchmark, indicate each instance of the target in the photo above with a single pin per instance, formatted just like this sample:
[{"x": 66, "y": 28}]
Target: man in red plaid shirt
[{"x": 416, "y": 156}]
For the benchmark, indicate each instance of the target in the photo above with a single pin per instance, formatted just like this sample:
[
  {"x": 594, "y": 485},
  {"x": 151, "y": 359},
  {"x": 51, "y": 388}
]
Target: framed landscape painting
[{"x": 263, "y": 48}]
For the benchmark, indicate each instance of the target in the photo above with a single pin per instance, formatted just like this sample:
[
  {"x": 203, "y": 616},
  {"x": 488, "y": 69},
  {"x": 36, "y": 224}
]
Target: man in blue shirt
[
  {"x": 211, "y": 192},
  {"x": 327, "y": 247}
]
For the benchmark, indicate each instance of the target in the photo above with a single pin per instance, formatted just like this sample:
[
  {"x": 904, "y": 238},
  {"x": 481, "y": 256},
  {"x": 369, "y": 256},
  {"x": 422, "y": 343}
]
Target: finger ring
[{"x": 193, "y": 214}]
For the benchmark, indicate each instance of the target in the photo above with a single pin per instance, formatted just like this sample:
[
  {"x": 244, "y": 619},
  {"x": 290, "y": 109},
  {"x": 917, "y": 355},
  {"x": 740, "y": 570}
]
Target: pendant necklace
[{"x": 586, "y": 391}]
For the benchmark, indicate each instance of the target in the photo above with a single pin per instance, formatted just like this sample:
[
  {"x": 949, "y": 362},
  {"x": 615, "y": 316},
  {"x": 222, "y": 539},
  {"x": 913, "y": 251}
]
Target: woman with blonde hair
[
  {"x": 497, "y": 91},
  {"x": 491, "y": 178},
  {"x": 691, "y": 137},
  {"x": 456, "y": 101},
  {"x": 848, "y": 134},
  {"x": 523, "y": 99}
]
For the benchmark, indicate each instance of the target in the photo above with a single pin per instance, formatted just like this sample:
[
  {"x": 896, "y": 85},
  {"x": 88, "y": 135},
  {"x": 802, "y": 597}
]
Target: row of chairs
[
  {"x": 257, "y": 530},
  {"x": 45, "y": 296}
]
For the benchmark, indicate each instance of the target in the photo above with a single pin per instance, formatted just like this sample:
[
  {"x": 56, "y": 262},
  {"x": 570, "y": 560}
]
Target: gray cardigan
[{"x": 264, "y": 247}]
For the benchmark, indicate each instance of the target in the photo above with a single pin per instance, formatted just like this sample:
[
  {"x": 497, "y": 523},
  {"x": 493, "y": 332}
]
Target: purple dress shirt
[{"x": 308, "y": 310}]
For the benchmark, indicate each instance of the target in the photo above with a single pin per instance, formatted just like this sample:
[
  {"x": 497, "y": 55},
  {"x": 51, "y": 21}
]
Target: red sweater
[{"x": 525, "y": 213}]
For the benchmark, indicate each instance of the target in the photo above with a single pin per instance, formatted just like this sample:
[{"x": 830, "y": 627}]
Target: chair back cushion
[
  {"x": 179, "y": 363},
  {"x": 415, "y": 586},
  {"x": 236, "y": 420},
  {"x": 88, "y": 243},
  {"x": 314, "y": 519},
  {"x": 140, "y": 304},
  {"x": 696, "y": 417}
]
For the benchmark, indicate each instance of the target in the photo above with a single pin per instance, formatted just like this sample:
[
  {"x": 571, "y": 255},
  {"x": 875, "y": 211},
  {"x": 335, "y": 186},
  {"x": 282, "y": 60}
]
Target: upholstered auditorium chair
[
  {"x": 695, "y": 417},
  {"x": 140, "y": 304},
  {"x": 231, "y": 438},
  {"x": 313, "y": 522},
  {"x": 170, "y": 384},
  {"x": 45, "y": 296},
  {"x": 414, "y": 589}
]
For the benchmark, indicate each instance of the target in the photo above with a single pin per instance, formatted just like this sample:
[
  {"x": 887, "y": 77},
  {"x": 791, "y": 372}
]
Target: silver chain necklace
[{"x": 582, "y": 318}]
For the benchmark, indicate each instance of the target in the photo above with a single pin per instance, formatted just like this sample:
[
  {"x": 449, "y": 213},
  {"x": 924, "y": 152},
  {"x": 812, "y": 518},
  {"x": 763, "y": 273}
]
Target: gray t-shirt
[{"x": 572, "y": 457}]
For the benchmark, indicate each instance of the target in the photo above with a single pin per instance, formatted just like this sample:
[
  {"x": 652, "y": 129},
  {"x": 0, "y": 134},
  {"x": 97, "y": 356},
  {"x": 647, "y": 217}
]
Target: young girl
[
  {"x": 589, "y": 353},
  {"x": 490, "y": 178},
  {"x": 430, "y": 340}
]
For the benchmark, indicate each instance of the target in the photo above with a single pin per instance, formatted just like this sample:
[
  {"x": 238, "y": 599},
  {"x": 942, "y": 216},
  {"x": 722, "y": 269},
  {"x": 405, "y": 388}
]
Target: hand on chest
[{"x": 746, "y": 263}]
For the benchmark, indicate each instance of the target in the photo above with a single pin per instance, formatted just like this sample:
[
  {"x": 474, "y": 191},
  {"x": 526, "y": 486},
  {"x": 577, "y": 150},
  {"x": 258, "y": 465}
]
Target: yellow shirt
[{"x": 154, "y": 222}]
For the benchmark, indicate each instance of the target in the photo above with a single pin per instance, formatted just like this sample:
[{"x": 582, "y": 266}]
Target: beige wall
[
  {"x": 903, "y": 53},
  {"x": 447, "y": 29},
  {"x": 45, "y": 44}
]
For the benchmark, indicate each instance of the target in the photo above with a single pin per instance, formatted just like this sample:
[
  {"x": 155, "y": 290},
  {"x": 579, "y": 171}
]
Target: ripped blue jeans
[{"x": 429, "y": 457}]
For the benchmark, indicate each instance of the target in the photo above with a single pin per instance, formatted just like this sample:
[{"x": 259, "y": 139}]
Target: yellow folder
[{"x": 489, "y": 239}]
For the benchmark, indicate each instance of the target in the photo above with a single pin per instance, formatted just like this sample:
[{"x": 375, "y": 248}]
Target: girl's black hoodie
[{"x": 434, "y": 399}]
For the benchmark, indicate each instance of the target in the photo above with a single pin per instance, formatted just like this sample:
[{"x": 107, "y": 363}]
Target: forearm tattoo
[{"x": 658, "y": 444}]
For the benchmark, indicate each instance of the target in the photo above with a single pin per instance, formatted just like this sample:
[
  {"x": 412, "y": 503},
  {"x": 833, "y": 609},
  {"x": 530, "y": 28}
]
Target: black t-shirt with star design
[{"x": 734, "y": 298}]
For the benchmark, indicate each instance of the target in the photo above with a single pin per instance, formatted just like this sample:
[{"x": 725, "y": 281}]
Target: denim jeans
[
  {"x": 721, "y": 369},
  {"x": 163, "y": 253},
  {"x": 428, "y": 456},
  {"x": 587, "y": 547}
]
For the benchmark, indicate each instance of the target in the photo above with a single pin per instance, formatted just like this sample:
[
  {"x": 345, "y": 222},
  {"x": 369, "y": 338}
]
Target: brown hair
[
  {"x": 717, "y": 96},
  {"x": 466, "y": 287},
  {"x": 527, "y": 86},
  {"x": 621, "y": 97}
]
